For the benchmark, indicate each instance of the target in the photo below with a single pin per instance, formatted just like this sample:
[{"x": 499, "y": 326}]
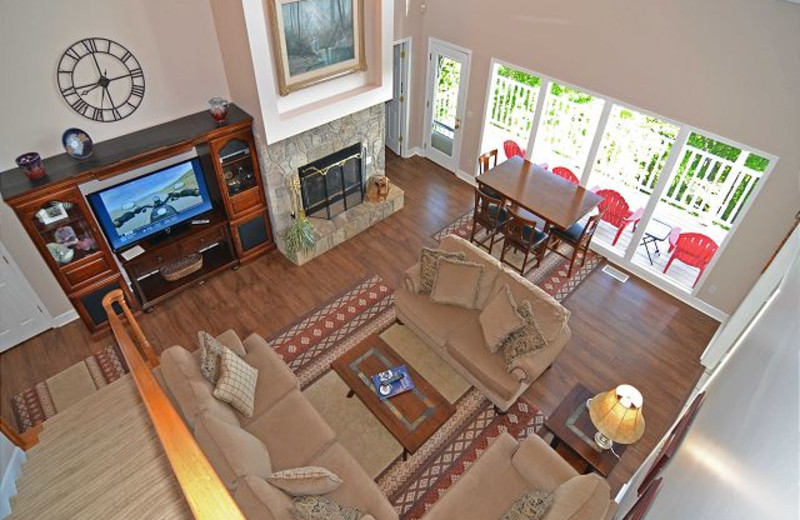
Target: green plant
[{"x": 299, "y": 236}]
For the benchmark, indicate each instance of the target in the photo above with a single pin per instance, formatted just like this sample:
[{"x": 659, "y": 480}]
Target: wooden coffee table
[
  {"x": 571, "y": 425},
  {"x": 411, "y": 417}
]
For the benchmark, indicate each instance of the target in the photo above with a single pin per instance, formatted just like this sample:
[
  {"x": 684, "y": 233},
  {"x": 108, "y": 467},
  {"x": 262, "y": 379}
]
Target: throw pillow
[
  {"x": 308, "y": 480},
  {"x": 457, "y": 283},
  {"x": 429, "y": 264},
  {"x": 322, "y": 508},
  {"x": 530, "y": 506},
  {"x": 499, "y": 319},
  {"x": 210, "y": 356},
  {"x": 524, "y": 341},
  {"x": 237, "y": 383},
  {"x": 232, "y": 451}
]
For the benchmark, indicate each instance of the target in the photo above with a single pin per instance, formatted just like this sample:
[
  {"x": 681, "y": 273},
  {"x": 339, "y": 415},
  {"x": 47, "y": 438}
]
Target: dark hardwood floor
[{"x": 622, "y": 333}]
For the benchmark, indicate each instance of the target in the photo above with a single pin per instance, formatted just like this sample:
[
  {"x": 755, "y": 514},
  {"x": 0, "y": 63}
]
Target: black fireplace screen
[{"x": 334, "y": 183}]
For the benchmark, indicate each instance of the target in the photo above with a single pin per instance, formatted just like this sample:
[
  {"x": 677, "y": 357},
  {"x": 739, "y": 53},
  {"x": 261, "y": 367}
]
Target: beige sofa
[
  {"x": 508, "y": 470},
  {"x": 455, "y": 332},
  {"x": 292, "y": 431}
]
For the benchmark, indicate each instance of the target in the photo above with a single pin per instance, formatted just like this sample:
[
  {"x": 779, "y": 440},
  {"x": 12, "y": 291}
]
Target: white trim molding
[{"x": 65, "y": 318}]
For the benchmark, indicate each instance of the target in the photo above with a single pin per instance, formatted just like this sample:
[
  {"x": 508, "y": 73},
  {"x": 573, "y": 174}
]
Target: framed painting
[{"x": 316, "y": 40}]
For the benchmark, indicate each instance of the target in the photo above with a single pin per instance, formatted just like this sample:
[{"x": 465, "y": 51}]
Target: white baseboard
[
  {"x": 464, "y": 176},
  {"x": 8, "y": 486},
  {"x": 64, "y": 318},
  {"x": 411, "y": 152}
]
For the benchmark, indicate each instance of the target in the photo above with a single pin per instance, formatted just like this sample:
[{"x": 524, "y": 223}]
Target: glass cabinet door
[
  {"x": 236, "y": 161},
  {"x": 63, "y": 228}
]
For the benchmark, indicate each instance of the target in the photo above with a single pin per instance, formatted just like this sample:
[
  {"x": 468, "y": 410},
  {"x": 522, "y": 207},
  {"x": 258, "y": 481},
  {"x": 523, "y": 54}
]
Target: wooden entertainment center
[{"x": 55, "y": 213}]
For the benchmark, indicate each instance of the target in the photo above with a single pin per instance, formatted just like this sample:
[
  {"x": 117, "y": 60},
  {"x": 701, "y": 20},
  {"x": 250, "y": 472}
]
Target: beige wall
[
  {"x": 730, "y": 67},
  {"x": 176, "y": 44}
]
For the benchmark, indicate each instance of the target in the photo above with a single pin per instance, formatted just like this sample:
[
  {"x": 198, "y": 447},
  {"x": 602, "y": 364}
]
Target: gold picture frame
[{"x": 316, "y": 41}]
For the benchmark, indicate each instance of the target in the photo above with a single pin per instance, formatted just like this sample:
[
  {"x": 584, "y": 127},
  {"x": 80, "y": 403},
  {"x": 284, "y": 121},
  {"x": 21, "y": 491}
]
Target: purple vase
[{"x": 31, "y": 164}]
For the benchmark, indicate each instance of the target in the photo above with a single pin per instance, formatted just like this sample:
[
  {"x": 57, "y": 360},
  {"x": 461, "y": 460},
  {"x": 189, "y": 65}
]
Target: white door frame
[
  {"x": 442, "y": 47},
  {"x": 405, "y": 104}
]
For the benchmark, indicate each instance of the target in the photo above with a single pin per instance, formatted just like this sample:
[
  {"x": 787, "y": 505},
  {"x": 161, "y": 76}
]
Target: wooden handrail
[
  {"x": 24, "y": 441},
  {"x": 204, "y": 491}
]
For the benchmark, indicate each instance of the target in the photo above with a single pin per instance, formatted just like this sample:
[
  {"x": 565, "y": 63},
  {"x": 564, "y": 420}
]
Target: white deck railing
[
  {"x": 513, "y": 106},
  {"x": 631, "y": 153}
]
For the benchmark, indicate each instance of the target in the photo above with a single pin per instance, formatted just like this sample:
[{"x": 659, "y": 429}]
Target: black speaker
[
  {"x": 253, "y": 233},
  {"x": 93, "y": 303}
]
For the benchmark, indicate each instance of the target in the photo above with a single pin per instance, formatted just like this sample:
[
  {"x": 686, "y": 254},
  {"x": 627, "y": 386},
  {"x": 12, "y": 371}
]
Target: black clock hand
[
  {"x": 110, "y": 99},
  {"x": 94, "y": 57},
  {"x": 83, "y": 93},
  {"x": 102, "y": 99}
]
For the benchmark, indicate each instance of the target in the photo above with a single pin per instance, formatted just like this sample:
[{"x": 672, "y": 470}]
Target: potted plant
[{"x": 299, "y": 237}]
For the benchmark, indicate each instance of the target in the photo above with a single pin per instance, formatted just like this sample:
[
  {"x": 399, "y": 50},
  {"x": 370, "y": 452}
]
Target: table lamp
[{"x": 617, "y": 415}]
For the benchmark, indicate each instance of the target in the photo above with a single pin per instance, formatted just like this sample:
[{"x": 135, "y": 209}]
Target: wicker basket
[{"x": 183, "y": 267}]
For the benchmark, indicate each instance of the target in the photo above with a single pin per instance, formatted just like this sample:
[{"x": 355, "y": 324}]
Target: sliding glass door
[
  {"x": 673, "y": 193},
  {"x": 567, "y": 127},
  {"x": 627, "y": 167}
]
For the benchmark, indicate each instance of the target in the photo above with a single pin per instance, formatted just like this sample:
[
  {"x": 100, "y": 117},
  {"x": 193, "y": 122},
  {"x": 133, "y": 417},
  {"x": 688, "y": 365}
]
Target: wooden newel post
[{"x": 118, "y": 297}]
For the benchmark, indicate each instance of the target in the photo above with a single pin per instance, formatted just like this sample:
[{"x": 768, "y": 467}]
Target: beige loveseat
[
  {"x": 508, "y": 470},
  {"x": 456, "y": 335},
  {"x": 292, "y": 431}
]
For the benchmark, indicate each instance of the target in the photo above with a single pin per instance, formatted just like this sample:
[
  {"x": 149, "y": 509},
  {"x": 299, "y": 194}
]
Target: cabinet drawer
[
  {"x": 196, "y": 243},
  {"x": 245, "y": 201},
  {"x": 87, "y": 271}
]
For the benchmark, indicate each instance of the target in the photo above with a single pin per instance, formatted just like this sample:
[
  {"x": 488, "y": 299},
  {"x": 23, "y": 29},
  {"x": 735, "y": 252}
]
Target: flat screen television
[{"x": 134, "y": 210}]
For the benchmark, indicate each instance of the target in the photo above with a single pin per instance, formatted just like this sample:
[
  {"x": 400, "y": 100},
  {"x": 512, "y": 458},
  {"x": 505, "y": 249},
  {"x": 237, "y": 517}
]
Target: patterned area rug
[
  {"x": 413, "y": 485},
  {"x": 36, "y": 404}
]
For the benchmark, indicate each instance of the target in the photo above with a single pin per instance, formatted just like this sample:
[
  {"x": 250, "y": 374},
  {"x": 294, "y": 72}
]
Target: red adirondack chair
[
  {"x": 694, "y": 249},
  {"x": 615, "y": 211},
  {"x": 566, "y": 173},
  {"x": 512, "y": 150}
]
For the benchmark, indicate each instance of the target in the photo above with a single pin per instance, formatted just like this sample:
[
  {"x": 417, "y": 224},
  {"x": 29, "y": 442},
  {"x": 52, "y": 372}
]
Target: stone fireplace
[
  {"x": 337, "y": 219},
  {"x": 333, "y": 184}
]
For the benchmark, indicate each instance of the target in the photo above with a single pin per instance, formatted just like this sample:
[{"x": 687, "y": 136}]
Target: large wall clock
[{"x": 100, "y": 79}]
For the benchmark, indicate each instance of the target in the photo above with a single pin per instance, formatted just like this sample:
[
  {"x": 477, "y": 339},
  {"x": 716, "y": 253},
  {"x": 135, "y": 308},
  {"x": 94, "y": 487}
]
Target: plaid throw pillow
[
  {"x": 322, "y": 508},
  {"x": 308, "y": 480},
  {"x": 429, "y": 266},
  {"x": 210, "y": 356},
  {"x": 530, "y": 506},
  {"x": 524, "y": 341},
  {"x": 237, "y": 383}
]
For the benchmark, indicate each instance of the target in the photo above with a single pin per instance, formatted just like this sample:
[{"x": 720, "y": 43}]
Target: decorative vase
[
  {"x": 219, "y": 109},
  {"x": 31, "y": 164}
]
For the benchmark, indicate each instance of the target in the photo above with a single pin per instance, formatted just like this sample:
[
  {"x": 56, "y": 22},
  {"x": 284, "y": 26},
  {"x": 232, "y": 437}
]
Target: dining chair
[
  {"x": 485, "y": 161},
  {"x": 512, "y": 149},
  {"x": 615, "y": 210},
  {"x": 695, "y": 250},
  {"x": 521, "y": 235},
  {"x": 566, "y": 173},
  {"x": 490, "y": 214},
  {"x": 578, "y": 236}
]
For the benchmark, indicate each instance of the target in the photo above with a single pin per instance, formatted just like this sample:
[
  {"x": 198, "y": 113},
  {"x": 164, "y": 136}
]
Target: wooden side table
[{"x": 571, "y": 425}]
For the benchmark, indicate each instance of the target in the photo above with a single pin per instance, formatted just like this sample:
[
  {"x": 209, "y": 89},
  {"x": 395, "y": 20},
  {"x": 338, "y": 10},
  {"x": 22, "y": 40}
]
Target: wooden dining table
[{"x": 555, "y": 200}]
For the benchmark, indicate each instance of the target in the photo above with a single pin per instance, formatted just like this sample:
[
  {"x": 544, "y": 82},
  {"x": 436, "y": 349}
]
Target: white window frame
[{"x": 625, "y": 260}]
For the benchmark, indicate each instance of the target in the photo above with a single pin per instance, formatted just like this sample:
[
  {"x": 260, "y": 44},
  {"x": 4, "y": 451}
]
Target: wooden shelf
[{"x": 155, "y": 288}]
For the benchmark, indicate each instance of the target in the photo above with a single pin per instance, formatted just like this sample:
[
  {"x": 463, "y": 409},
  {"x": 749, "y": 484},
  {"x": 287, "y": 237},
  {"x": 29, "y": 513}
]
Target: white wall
[
  {"x": 176, "y": 44},
  {"x": 739, "y": 460}
]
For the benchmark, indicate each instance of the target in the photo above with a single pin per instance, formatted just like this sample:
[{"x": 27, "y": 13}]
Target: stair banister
[{"x": 206, "y": 495}]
